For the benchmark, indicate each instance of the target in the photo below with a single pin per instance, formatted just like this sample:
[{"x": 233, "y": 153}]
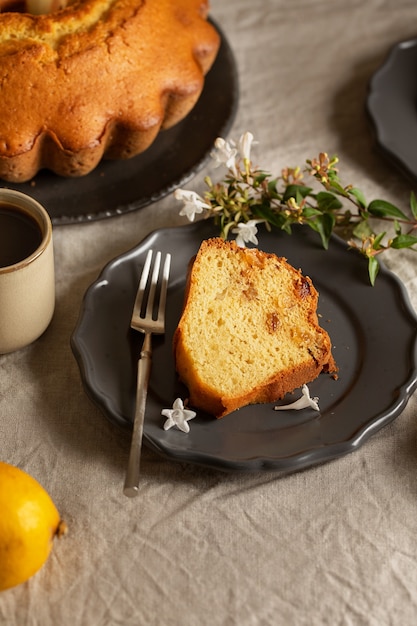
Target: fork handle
[{"x": 131, "y": 486}]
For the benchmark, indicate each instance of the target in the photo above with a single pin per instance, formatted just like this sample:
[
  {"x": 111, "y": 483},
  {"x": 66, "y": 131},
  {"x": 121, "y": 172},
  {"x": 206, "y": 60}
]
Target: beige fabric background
[{"x": 335, "y": 545}]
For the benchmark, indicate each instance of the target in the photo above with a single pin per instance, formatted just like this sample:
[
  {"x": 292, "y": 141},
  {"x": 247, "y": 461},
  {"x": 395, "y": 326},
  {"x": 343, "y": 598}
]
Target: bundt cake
[
  {"x": 98, "y": 78},
  {"x": 249, "y": 331}
]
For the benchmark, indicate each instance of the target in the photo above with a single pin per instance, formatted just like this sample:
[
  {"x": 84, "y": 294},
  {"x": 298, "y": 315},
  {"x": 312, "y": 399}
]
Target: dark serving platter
[
  {"x": 373, "y": 331},
  {"x": 178, "y": 154},
  {"x": 392, "y": 107}
]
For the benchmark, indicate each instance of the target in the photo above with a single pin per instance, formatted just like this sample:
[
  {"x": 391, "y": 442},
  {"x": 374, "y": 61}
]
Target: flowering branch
[{"x": 248, "y": 196}]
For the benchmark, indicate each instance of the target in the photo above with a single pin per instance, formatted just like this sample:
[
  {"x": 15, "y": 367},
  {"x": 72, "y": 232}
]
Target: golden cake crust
[
  {"x": 243, "y": 338},
  {"x": 98, "y": 78}
]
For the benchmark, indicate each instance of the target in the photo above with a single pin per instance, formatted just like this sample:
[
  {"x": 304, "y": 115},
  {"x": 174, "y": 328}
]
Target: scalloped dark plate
[
  {"x": 117, "y": 187},
  {"x": 392, "y": 107},
  {"x": 373, "y": 330}
]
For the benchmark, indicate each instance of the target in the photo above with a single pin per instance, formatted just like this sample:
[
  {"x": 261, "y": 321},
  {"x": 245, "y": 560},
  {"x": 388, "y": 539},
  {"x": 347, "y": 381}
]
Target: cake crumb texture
[{"x": 249, "y": 330}]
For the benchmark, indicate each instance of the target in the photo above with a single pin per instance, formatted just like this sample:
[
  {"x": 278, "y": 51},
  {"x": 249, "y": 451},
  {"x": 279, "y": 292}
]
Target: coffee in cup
[{"x": 27, "y": 282}]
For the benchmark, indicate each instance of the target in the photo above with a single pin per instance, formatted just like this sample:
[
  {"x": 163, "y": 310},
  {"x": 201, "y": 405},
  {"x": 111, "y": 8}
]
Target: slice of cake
[{"x": 249, "y": 331}]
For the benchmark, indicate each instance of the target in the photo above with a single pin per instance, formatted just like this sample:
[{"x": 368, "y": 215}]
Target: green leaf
[
  {"x": 362, "y": 230},
  {"x": 299, "y": 198},
  {"x": 264, "y": 212},
  {"x": 333, "y": 176},
  {"x": 373, "y": 269},
  {"x": 309, "y": 212},
  {"x": 286, "y": 228},
  {"x": 295, "y": 191},
  {"x": 337, "y": 188},
  {"x": 259, "y": 179},
  {"x": 357, "y": 193},
  {"x": 377, "y": 241},
  {"x": 328, "y": 201},
  {"x": 403, "y": 241},
  {"x": 382, "y": 208},
  {"x": 413, "y": 204},
  {"x": 272, "y": 188},
  {"x": 323, "y": 225}
]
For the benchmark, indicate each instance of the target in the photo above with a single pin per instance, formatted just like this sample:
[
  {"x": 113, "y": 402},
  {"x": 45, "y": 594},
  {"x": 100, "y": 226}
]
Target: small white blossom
[
  {"x": 193, "y": 203},
  {"x": 178, "y": 416},
  {"x": 245, "y": 145},
  {"x": 225, "y": 153},
  {"x": 304, "y": 402},
  {"x": 246, "y": 231}
]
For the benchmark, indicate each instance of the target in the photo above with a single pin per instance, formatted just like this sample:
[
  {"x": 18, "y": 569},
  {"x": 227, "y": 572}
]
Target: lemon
[{"x": 29, "y": 521}]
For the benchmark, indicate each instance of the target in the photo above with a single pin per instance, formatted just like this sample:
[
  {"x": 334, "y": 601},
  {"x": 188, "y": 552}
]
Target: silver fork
[{"x": 144, "y": 321}]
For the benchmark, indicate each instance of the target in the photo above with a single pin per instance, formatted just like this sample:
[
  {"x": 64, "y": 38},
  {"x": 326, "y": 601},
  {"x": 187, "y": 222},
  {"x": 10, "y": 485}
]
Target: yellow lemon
[{"x": 29, "y": 521}]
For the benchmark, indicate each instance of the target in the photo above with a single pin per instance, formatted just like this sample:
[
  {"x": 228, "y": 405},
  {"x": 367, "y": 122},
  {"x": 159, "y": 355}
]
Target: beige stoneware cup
[{"x": 27, "y": 285}]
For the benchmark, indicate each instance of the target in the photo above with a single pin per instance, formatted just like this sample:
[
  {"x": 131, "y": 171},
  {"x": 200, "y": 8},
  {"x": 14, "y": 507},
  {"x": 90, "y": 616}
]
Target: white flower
[
  {"x": 304, "y": 402},
  {"x": 178, "y": 416},
  {"x": 193, "y": 203},
  {"x": 246, "y": 231},
  {"x": 245, "y": 145},
  {"x": 225, "y": 153}
]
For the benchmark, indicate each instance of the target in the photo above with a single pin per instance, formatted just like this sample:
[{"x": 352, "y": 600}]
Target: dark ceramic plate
[
  {"x": 373, "y": 330},
  {"x": 392, "y": 107},
  {"x": 118, "y": 187}
]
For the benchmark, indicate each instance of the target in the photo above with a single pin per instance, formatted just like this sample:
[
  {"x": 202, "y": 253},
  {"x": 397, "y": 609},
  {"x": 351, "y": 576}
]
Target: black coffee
[{"x": 20, "y": 235}]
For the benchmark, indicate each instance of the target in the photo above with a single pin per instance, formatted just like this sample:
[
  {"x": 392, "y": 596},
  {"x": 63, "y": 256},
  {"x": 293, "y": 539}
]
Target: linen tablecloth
[{"x": 332, "y": 545}]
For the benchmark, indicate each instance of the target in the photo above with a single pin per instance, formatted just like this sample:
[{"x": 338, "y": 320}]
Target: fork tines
[{"x": 151, "y": 296}]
